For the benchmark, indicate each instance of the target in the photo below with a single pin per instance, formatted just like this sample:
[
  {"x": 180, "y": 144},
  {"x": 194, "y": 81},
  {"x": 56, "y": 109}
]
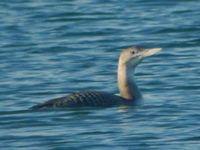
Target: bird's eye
[{"x": 133, "y": 52}]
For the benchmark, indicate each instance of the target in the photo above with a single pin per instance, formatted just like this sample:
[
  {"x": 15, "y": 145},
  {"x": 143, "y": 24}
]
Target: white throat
[
  {"x": 128, "y": 61},
  {"x": 127, "y": 86}
]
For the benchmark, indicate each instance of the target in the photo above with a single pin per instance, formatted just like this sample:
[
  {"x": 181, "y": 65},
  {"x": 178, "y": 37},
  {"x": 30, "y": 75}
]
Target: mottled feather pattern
[{"x": 83, "y": 99}]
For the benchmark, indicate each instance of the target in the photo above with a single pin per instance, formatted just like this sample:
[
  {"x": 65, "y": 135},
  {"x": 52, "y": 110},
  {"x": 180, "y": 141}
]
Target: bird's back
[{"x": 83, "y": 99}]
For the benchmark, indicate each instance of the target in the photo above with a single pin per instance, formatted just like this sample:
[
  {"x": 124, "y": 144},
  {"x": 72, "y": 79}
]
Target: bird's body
[
  {"x": 84, "y": 99},
  {"x": 130, "y": 93}
]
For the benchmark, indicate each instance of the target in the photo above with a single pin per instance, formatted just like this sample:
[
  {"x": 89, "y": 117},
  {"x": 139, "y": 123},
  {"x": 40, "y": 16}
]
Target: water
[{"x": 49, "y": 49}]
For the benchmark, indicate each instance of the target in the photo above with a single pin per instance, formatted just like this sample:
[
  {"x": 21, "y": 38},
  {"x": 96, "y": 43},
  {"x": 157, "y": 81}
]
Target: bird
[{"x": 130, "y": 94}]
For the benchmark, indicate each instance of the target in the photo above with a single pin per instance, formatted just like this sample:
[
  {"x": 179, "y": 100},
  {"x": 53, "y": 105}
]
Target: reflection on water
[{"x": 49, "y": 49}]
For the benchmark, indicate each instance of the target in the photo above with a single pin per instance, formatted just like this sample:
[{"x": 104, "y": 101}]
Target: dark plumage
[{"x": 83, "y": 99}]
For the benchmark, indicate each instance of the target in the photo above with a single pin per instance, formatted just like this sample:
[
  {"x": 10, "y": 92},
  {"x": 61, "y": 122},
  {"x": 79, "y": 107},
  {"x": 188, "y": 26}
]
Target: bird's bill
[{"x": 149, "y": 52}]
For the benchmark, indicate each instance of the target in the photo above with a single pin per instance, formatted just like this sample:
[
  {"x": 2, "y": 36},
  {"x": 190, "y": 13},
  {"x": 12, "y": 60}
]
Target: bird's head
[{"x": 133, "y": 56}]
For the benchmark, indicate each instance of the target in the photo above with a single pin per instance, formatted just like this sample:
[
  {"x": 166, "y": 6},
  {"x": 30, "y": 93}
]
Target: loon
[{"x": 129, "y": 91}]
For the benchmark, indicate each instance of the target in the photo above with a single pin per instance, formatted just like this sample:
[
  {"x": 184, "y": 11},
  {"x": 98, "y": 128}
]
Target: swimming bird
[{"x": 129, "y": 91}]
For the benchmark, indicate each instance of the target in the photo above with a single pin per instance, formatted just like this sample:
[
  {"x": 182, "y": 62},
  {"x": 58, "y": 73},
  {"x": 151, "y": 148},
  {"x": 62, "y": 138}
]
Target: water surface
[{"x": 51, "y": 49}]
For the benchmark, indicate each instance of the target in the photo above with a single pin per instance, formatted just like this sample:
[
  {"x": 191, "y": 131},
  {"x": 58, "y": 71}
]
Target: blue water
[{"x": 50, "y": 49}]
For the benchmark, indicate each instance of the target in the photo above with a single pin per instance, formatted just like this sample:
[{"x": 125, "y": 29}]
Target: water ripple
[{"x": 52, "y": 49}]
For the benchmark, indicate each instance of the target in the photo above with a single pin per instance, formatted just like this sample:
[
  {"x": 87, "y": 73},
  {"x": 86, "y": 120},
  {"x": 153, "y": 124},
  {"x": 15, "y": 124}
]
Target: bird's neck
[{"x": 127, "y": 86}]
